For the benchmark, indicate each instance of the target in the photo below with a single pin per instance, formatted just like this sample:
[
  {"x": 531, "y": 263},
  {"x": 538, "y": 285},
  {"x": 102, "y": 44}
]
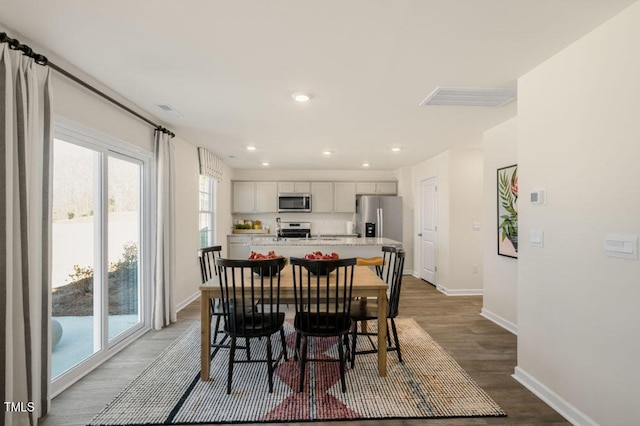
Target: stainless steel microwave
[{"x": 294, "y": 202}]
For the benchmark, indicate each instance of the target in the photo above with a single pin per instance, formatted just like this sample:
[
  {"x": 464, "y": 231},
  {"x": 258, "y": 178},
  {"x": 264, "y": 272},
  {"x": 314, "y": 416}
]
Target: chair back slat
[
  {"x": 250, "y": 293},
  {"x": 396, "y": 284},
  {"x": 207, "y": 256},
  {"x": 385, "y": 271}
]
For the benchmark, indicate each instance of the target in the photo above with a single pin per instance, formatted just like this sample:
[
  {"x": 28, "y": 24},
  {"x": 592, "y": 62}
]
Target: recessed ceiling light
[
  {"x": 264, "y": 163},
  {"x": 327, "y": 152},
  {"x": 251, "y": 148},
  {"x": 366, "y": 164},
  {"x": 301, "y": 97},
  {"x": 395, "y": 149}
]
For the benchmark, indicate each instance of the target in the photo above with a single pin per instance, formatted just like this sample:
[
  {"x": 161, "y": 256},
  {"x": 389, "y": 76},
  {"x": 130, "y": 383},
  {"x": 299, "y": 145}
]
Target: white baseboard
[
  {"x": 180, "y": 306},
  {"x": 456, "y": 292},
  {"x": 460, "y": 291},
  {"x": 507, "y": 325},
  {"x": 566, "y": 410}
]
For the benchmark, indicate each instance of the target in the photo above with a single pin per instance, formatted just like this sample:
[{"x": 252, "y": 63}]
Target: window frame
[
  {"x": 211, "y": 210},
  {"x": 110, "y": 146}
]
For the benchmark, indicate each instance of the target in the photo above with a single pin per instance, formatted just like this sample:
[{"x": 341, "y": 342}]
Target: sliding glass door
[
  {"x": 99, "y": 250},
  {"x": 123, "y": 224}
]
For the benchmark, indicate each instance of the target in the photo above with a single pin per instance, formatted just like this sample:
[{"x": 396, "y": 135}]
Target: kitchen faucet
[{"x": 278, "y": 229}]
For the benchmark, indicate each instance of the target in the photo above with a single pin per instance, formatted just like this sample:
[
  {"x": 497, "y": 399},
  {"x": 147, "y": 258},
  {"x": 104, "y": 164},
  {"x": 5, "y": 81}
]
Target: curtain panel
[
  {"x": 25, "y": 236},
  {"x": 210, "y": 164},
  {"x": 164, "y": 311}
]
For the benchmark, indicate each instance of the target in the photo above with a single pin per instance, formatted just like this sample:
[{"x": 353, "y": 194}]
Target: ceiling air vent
[
  {"x": 466, "y": 96},
  {"x": 169, "y": 110}
]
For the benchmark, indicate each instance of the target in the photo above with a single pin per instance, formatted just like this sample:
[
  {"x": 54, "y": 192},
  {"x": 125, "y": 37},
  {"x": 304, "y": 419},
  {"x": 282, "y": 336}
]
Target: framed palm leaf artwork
[{"x": 508, "y": 211}]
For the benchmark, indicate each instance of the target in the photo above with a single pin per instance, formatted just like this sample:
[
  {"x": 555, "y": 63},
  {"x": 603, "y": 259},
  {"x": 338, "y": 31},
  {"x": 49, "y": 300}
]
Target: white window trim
[
  {"x": 213, "y": 206},
  {"x": 87, "y": 137}
]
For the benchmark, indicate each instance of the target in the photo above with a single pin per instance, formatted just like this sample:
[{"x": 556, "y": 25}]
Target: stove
[{"x": 294, "y": 229}]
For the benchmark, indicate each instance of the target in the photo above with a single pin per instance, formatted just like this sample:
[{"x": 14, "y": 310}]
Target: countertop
[{"x": 324, "y": 241}]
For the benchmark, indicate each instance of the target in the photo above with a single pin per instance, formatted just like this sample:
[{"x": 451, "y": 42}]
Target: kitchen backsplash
[{"x": 323, "y": 223}]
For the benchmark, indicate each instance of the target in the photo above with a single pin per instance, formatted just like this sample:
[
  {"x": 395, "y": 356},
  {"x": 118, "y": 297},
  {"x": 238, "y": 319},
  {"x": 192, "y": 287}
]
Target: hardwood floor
[{"x": 486, "y": 351}]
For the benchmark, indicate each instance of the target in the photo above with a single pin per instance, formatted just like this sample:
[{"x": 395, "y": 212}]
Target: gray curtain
[
  {"x": 164, "y": 311},
  {"x": 25, "y": 236}
]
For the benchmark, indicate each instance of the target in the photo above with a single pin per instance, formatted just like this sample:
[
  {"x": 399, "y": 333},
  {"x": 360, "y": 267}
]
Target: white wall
[
  {"x": 437, "y": 166},
  {"x": 459, "y": 198},
  {"x": 405, "y": 190},
  {"x": 187, "y": 241},
  {"x": 465, "y": 202},
  {"x": 73, "y": 102},
  {"x": 579, "y": 137},
  {"x": 500, "y": 273}
]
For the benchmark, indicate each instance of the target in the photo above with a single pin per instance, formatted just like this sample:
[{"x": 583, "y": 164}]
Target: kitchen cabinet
[
  {"x": 329, "y": 197},
  {"x": 295, "y": 187},
  {"x": 344, "y": 197},
  {"x": 255, "y": 197},
  {"x": 266, "y": 197},
  {"x": 238, "y": 246},
  {"x": 390, "y": 188},
  {"x": 321, "y": 197},
  {"x": 379, "y": 188},
  {"x": 243, "y": 195}
]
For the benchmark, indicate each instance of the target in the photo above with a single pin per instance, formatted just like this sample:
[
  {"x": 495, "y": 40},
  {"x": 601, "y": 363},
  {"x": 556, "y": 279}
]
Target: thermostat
[{"x": 539, "y": 196}]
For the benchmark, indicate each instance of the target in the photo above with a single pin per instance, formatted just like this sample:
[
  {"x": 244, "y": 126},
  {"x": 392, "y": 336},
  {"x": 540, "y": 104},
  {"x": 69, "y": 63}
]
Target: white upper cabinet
[
  {"x": 344, "y": 197},
  {"x": 295, "y": 187},
  {"x": 330, "y": 197},
  {"x": 321, "y": 197},
  {"x": 243, "y": 194},
  {"x": 382, "y": 188},
  {"x": 266, "y": 197},
  {"x": 387, "y": 188},
  {"x": 365, "y": 188},
  {"x": 326, "y": 197},
  {"x": 255, "y": 197}
]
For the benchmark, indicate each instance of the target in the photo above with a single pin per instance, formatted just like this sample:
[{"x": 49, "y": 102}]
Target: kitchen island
[{"x": 345, "y": 247}]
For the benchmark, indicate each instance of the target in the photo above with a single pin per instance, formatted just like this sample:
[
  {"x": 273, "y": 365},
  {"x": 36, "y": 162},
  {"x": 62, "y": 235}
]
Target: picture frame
[{"x": 507, "y": 195}]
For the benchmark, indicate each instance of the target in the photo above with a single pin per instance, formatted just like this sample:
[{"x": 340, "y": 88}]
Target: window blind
[{"x": 210, "y": 164}]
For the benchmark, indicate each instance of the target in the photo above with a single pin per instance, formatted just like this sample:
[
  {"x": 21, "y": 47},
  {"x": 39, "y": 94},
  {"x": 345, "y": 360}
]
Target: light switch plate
[
  {"x": 536, "y": 238},
  {"x": 621, "y": 246}
]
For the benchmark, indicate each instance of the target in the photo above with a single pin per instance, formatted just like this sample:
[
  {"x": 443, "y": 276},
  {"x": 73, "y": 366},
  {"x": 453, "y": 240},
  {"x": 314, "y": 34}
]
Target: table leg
[
  {"x": 382, "y": 333},
  {"x": 205, "y": 337}
]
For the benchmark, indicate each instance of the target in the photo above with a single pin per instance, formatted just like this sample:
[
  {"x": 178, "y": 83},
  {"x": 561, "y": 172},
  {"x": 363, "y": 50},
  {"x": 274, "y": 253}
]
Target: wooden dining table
[{"x": 365, "y": 284}]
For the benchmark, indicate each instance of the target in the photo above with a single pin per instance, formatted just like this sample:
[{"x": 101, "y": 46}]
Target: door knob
[{"x": 420, "y": 234}]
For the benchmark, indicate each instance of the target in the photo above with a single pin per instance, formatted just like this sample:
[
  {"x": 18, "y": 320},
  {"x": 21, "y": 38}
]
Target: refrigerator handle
[{"x": 380, "y": 223}]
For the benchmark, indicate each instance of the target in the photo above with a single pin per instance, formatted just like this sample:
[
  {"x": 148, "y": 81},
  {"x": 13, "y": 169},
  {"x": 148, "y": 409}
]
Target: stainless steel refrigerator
[{"x": 379, "y": 216}]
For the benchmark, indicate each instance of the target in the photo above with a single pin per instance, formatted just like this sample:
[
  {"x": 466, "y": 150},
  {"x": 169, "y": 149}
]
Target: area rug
[{"x": 428, "y": 384}]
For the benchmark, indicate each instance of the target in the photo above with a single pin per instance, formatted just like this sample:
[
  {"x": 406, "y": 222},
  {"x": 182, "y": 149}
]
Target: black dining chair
[
  {"x": 253, "y": 283},
  {"x": 322, "y": 295},
  {"x": 207, "y": 256},
  {"x": 367, "y": 309}
]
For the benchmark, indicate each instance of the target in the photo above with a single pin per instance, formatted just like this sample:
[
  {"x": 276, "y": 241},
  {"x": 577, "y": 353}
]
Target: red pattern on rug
[{"x": 313, "y": 403}]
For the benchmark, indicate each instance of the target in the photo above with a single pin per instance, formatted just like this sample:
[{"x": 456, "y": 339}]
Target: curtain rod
[{"x": 42, "y": 60}]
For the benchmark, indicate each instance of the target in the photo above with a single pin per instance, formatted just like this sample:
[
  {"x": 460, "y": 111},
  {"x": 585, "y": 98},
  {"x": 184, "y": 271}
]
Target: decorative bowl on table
[
  {"x": 319, "y": 268},
  {"x": 266, "y": 271}
]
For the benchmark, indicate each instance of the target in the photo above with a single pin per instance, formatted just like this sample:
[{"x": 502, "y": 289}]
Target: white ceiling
[{"x": 230, "y": 67}]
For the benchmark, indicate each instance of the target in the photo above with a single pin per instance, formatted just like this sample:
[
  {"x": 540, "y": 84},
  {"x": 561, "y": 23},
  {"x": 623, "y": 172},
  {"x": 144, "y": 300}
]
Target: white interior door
[{"x": 428, "y": 230}]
